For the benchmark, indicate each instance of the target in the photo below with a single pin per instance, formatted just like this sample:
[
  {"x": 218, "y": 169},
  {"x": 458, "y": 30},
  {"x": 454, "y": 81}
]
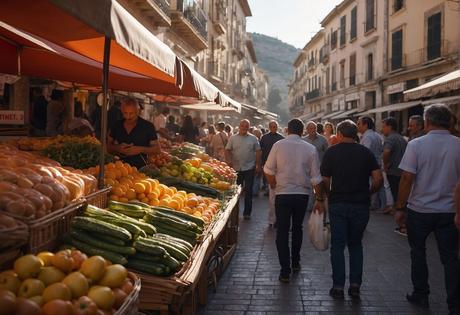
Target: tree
[{"x": 274, "y": 99}]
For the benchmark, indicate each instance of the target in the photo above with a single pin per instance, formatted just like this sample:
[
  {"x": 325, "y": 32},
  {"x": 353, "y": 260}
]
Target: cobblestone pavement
[{"x": 250, "y": 284}]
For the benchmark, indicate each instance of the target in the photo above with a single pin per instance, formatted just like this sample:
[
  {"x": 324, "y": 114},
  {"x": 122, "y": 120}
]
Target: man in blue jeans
[{"x": 346, "y": 169}]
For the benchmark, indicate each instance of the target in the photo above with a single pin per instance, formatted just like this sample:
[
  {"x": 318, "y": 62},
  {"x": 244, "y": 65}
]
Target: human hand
[
  {"x": 134, "y": 150},
  {"x": 319, "y": 207},
  {"x": 258, "y": 170},
  {"x": 400, "y": 218}
]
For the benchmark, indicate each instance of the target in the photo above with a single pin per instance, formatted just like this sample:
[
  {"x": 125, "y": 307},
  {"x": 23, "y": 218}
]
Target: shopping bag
[{"x": 318, "y": 231}]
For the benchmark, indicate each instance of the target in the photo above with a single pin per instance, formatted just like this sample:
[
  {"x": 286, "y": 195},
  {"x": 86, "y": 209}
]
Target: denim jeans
[
  {"x": 246, "y": 178},
  {"x": 348, "y": 222},
  {"x": 419, "y": 226},
  {"x": 289, "y": 208}
]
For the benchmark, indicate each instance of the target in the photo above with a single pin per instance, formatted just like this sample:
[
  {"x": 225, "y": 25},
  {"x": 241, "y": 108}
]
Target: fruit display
[
  {"x": 160, "y": 159},
  {"x": 154, "y": 240},
  {"x": 66, "y": 282},
  {"x": 13, "y": 232},
  {"x": 39, "y": 144},
  {"x": 165, "y": 144},
  {"x": 33, "y": 186},
  {"x": 220, "y": 169}
]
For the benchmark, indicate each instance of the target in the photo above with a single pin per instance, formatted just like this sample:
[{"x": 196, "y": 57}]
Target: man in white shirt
[
  {"x": 160, "y": 123},
  {"x": 292, "y": 168}
]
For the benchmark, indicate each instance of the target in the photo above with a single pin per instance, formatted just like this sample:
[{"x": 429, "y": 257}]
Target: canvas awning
[
  {"x": 267, "y": 113},
  {"x": 332, "y": 114},
  {"x": 208, "y": 106},
  {"x": 345, "y": 114},
  {"x": 318, "y": 116},
  {"x": 450, "y": 100},
  {"x": 446, "y": 83},
  {"x": 392, "y": 108},
  {"x": 306, "y": 116},
  {"x": 225, "y": 100}
]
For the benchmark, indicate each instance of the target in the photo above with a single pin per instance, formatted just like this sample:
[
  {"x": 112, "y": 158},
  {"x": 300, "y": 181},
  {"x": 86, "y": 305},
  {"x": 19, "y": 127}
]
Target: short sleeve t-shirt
[
  {"x": 397, "y": 145},
  {"x": 349, "y": 165},
  {"x": 141, "y": 135},
  {"x": 244, "y": 150}
]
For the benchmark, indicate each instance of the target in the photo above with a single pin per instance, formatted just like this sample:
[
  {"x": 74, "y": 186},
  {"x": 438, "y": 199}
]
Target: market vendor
[{"x": 132, "y": 138}]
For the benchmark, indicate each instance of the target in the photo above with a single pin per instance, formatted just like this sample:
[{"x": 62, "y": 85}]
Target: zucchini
[
  {"x": 83, "y": 237},
  {"x": 150, "y": 249},
  {"x": 147, "y": 257},
  {"x": 176, "y": 230},
  {"x": 98, "y": 226},
  {"x": 183, "y": 215},
  {"x": 179, "y": 246},
  {"x": 182, "y": 225},
  {"x": 141, "y": 204},
  {"x": 148, "y": 228},
  {"x": 178, "y": 219},
  {"x": 172, "y": 250},
  {"x": 135, "y": 214},
  {"x": 94, "y": 251},
  {"x": 149, "y": 267},
  {"x": 108, "y": 239},
  {"x": 174, "y": 239},
  {"x": 132, "y": 228},
  {"x": 171, "y": 262},
  {"x": 115, "y": 205}
]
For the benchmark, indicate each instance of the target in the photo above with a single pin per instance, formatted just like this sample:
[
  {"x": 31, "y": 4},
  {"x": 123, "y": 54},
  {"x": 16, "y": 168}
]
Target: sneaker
[
  {"x": 401, "y": 231},
  {"x": 418, "y": 300},
  {"x": 296, "y": 267},
  {"x": 246, "y": 217},
  {"x": 353, "y": 292},
  {"x": 284, "y": 277},
  {"x": 337, "y": 293}
]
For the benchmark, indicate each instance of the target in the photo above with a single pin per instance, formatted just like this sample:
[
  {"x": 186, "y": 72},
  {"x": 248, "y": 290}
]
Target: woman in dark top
[{"x": 189, "y": 132}]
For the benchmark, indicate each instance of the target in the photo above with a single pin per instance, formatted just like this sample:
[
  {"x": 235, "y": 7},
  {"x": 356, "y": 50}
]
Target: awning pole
[{"x": 105, "y": 105}]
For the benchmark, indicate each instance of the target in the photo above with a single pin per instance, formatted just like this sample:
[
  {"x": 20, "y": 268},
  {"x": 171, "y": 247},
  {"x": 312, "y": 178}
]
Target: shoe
[
  {"x": 353, "y": 292},
  {"x": 246, "y": 217},
  {"x": 296, "y": 267},
  {"x": 401, "y": 231},
  {"x": 284, "y": 277},
  {"x": 337, "y": 293},
  {"x": 420, "y": 301}
]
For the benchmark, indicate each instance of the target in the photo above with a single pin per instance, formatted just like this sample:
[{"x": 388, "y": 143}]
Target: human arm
[
  {"x": 258, "y": 161},
  {"x": 405, "y": 187},
  {"x": 457, "y": 205},
  {"x": 270, "y": 168},
  {"x": 376, "y": 180},
  {"x": 386, "y": 159}
]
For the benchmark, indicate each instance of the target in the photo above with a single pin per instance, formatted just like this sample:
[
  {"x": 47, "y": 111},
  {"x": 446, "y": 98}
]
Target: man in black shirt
[
  {"x": 348, "y": 166},
  {"x": 133, "y": 138}
]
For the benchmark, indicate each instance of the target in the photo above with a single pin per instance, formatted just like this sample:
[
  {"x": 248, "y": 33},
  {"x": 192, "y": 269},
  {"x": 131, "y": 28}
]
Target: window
[
  {"x": 328, "y": 74},
  {"x": 410, "y": 84},
  {"x": 370, "y": 99},
  {"x": 370, "y": 67},
  {"x": 370, "y": 15},
  {"x": 333, "y": 78},
  {"x": 396, "y": 50},
  {"x": 434, "y": 36},
  {"x": 334, "y": 40},
  {"x": 342, "y": 74},
  {"x": 396, "y": 98},
  {"x": 398, "y": 5},
  {"x": 352, "y": 69},
  {"x": 353, "y": 27},
  {"x": 343, "y": 28}
]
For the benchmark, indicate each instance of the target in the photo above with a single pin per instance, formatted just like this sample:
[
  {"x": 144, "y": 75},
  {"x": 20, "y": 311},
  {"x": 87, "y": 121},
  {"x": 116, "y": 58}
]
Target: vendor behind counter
[{"x": 132, "y": 138}]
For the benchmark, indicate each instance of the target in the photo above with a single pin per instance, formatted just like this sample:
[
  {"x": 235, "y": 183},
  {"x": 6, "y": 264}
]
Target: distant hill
[{"x": 276, "y": 58}]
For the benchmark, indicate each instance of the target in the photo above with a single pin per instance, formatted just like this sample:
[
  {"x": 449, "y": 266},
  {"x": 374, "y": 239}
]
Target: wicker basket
[
  {"x": 13, "y": 238},
  {"x": 99, "y": 198},
  {"x": 131, "y": 304},
  {"x": 8, "y": 257}
]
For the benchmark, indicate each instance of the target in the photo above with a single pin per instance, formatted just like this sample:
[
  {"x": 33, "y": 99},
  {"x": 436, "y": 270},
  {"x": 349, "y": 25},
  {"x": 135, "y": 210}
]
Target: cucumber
[
  {"x": 178, "y": 219},
  {"x": 149, "y": 267},
  {"x": 132, "y": 228},
  {"x": 172, "y": 250},
  {"x": 150, "y": 249},
  {"x": 147, "y": 257},
  {"x": 83, "y": 237},
  {"x": 182, "y": 225},
  {"x": 175, "y": 239},
  {"x": 108, "y": 239},
  {"x": 148, "y": 228},
  {"x": 183, "y": 215},
  {"x": 141, "y": 204},
  {"x": 94, "y": 251},
  {"x": 115, "y": 205},
  {"x": 171, "y": 262},
  {"x": 98, "y": 226},
  {"x": 135, "y": 214},
  {"x": 179, "y": 246},
  {"x": 176, "y": 230}
]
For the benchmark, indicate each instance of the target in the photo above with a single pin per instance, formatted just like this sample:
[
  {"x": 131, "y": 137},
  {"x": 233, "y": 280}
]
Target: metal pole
[{"x": 105, "y": 105}]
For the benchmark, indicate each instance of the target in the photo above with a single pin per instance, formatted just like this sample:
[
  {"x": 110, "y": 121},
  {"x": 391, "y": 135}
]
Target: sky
[{"x": 292, "y": 21}]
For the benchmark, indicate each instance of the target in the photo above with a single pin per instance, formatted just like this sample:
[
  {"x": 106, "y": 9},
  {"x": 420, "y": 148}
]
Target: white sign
[
  {"x": 351, "y": 97},
  {"x": 396, "y": 88},
  {"x": 335, "y": 105},
  {"x": 11, "y": 117}
]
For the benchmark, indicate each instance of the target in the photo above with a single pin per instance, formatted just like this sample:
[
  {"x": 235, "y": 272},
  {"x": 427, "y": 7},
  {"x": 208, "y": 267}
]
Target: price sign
[{"x": 11, "y": 117}]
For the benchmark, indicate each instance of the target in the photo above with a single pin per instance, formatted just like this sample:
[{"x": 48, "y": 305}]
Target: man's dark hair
[
  {"x": 296, "y": 126},
  {"x": 348, "y": 129},
  {"x": 368, "y": 121},
  {"x": 220, "y": 125},
  {"x": 172, "y": 119},
  {"x": 438, "y": 115},
  {"x": 418, "y": 120},
  {"x": 319, "y": 128},
  {"x": 57, "y": 95},
  {"x": 165, "y": 110},
  {"x": 391, "y": 121}
]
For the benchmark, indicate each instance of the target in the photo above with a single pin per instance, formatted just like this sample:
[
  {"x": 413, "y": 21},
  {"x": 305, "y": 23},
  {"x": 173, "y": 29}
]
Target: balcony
[
  {"x": 312, "y": 94},
  {"x": 190, "y": 22},
  {"x": 219, "y": 19},
  {"x": 311, "y": 63},
  {"x": 238, "y": 49},
  {"x": 324, "y": 54},
  {"x": 158, "y": 10}
]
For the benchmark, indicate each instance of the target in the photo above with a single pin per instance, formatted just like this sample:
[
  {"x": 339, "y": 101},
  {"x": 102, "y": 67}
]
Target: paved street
[{"x": 250, "y": 284}]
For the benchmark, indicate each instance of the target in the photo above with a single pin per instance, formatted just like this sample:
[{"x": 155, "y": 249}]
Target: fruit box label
[{"x": 11, "y": 117}]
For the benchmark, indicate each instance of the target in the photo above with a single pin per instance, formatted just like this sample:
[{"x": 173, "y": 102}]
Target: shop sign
[
  {"x": 11, "y": 117},
  {"x": 335, "y": 105},
  {"x": 351, "y": 97},
  {"x": 396, "y": 88}
]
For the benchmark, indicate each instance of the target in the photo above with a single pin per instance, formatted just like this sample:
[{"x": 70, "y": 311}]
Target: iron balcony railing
[
  {"x": 312, "y": 94},
  {"x": 165, "y": 6},
  {"x": 195, "y": 15}
]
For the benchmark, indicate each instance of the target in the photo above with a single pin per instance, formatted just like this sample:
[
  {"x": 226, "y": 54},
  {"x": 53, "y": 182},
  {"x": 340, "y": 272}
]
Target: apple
[
  {"x": 31, "y": 287},
  {"x": 7, "y": 302},
  {"x": 27, "y": 266},
  {"x": 27, "y": 307},
  {"x": 37, "y": 299},
  {"x": 102, "y": 296},
  {"x": 78, "y": 258},
  {"x": 127, "y": 286},
  {"x": 58, "y": 307},
  {"x": 85, "y": 306},
  {"x": 114, "y": 276},
  {"x": 63, "y": 260},
  {"x": 93, "y": 268},
  {"x": 50, "y": 275},
  {"x": 77, "y": 283},
  {"x": 9, "y": 281},
  {"x": 120, "y": 297},
  {"x": 45, "y": 257},
  {"x": 57, "y": 291}
]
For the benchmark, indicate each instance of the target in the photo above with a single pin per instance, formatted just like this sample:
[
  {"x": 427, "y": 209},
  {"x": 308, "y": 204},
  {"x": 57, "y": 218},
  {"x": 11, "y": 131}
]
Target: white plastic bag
[{"x": 318, "y": 231}]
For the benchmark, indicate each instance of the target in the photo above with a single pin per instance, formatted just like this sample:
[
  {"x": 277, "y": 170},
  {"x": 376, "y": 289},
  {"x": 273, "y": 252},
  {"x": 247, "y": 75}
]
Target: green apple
[
  {"x": 114, "y": 276},
  {"x": 77, "y": 283},
  {"x": 27, "y": 266},
  {"x": 31, "y": 287},
  {"x": 50, "y": 275},
  {"x": 9, "y": 281}
]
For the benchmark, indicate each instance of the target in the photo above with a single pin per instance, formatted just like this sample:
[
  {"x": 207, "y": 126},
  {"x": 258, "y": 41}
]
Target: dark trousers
[
  {"x": 287, "y": 208},
  {"x": 419, "y": 226},
  {"x": 394, "y": 186},
  {"x": 246, "y": 178},
  {"x": 348, "y": 222}
]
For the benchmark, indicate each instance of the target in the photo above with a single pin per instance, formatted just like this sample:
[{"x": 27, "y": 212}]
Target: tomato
[{"x": 85, "y": 306}]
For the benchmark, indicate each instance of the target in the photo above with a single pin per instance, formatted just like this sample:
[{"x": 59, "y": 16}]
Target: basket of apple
[{"x": 67, "y": 283}]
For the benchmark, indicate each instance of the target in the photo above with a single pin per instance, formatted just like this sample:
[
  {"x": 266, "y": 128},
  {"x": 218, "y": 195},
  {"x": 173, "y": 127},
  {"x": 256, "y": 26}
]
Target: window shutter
[{"x": 434, "y": 36}]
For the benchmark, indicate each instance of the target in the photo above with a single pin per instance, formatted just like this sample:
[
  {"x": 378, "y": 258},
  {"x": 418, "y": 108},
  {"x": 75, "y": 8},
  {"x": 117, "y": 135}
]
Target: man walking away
[
  {"x": 243, "y": 154},
  {"x": 348, "y": 166},
  {"x": 394, "y": 146},
  {"x": 160, "y": 123},
  {"x": 415, "y": 127},
  {"x": 292, "y": 168},
  {"x": 431, "y": 169},
  {"x": 266, "y": 144}
]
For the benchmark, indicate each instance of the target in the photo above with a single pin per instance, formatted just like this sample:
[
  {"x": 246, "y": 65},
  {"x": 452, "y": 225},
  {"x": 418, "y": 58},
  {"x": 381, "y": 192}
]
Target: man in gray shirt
[
  {"x": 244, "y": 155},
  {"x": 394, "y": 147},
  {"x": 315, "y": 139}
]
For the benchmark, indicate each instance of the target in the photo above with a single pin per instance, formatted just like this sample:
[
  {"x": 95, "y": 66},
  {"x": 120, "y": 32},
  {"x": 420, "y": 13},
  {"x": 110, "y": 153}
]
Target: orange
[
  {"x": 139, "y": 187},
  {"x": 117, "y": 173},
  {"x": 124, "y": 171},
  {"x": 182, "y": 193},
  {"x": 117, "y": 191},
  {"x": 131, "y": 194},
  {"x": 161, "y": 188},
  {"x": 145, "y": 200},
  {"x": 191, "y": 195},
  {"x": 119, "y": 164},
  {"x": 114, "y": 198},
  {"x": 154, "y": 202},
  {"x": 141, "y": 196},
  {"x": 110, "y": 166},
  {"x": 174, "y": 189},
  {"x": 123, "y": 199},
  {"x": 109, "y": 182},
  {"x": 174, "y": 204},
  {"x": 164, "y": 202},
  {"x": 148, "y": 186},
  {"x": 192, "y": 202},
  {"x": 110, "y": 174},
  {"x": 152, "y": 195}
]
